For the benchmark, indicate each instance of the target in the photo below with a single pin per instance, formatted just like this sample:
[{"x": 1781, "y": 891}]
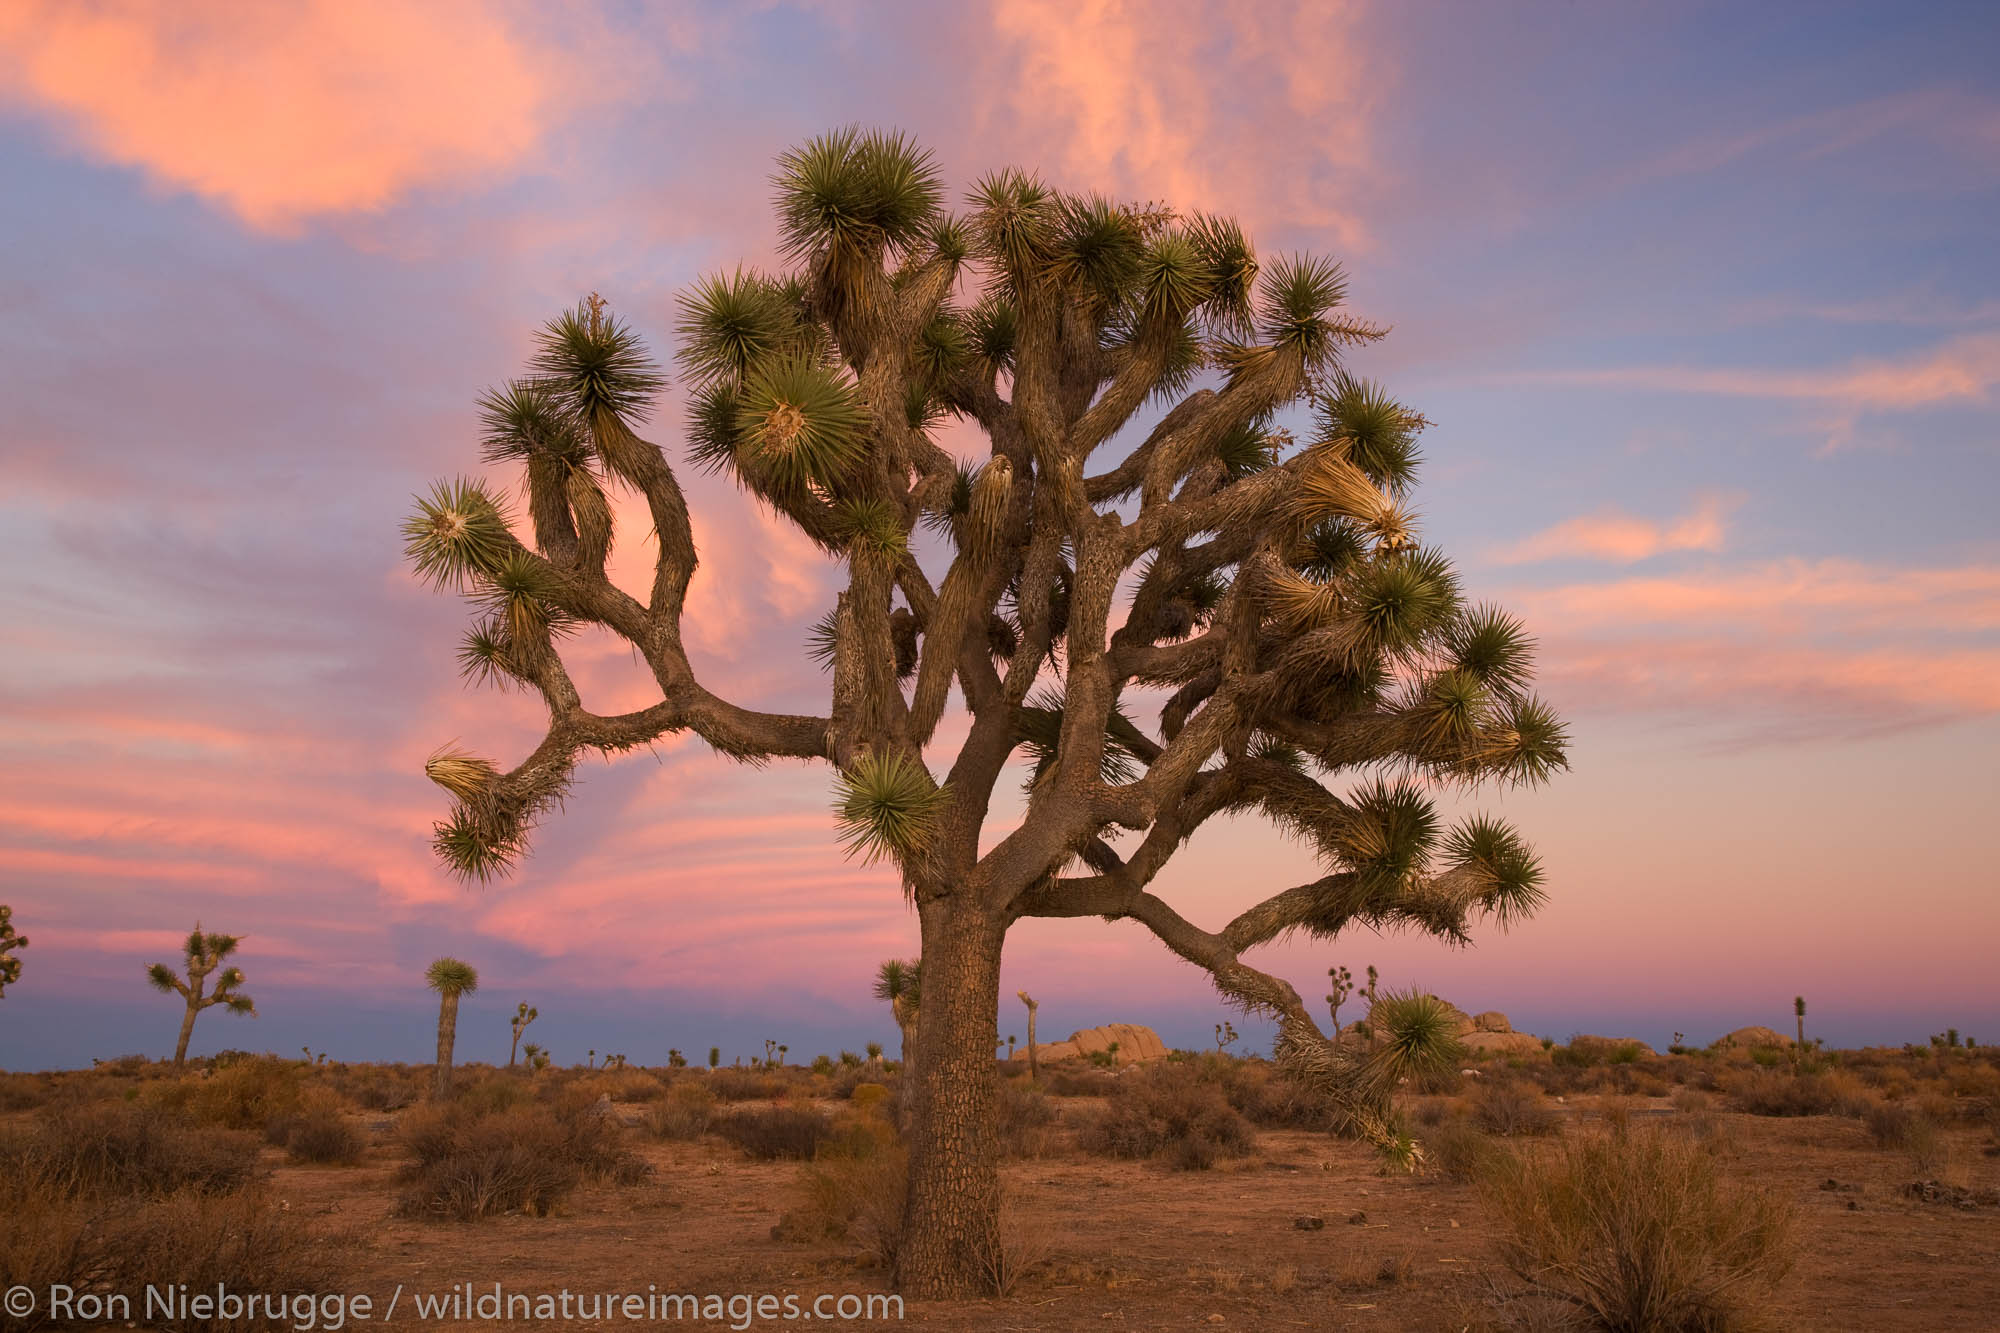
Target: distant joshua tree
[
  {"x": 522, "y": 1017},
  {"x": 1342, "y": 982},
  {"x": 1799, "y": 1012},
  {"x": 1225, "y": 1034},
  {"x": 714, "y": 1057},
  {"x": 874, "y": 1049},
  {"x": 10, "y": 966},
  {"x": 1034, "y": 1066},
  {"x": 901, "y": 984},
  {"x": 450, "y": 979},
  {"x": 201, "y": 956},
  {"x": 536, "y": 1057}
]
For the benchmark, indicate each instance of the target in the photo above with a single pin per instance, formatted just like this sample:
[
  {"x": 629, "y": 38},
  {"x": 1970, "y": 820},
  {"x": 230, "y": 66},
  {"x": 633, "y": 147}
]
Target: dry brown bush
[
  {"x": 318, "y": 1132},
  {"x": 1169, "y": 1112},
  {"x": 466, "y": 1165},
  {"x": 777, "y": 1133},
  {"x": 1459, "y": 1150},
  {"x": 1639, "y": 1229},
  {"x": 90, "y": 1149},
  {"x": 685, "y": 1113},
  {"x": 1509, "y": 1108},
  {"x": 744, "y": 1085},
  {"x": 1778, "y": 1093},
  {"x": 244, "y": 1093}
]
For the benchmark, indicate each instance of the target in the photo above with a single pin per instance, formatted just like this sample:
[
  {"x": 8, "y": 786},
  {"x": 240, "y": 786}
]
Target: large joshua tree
[
  {"x": 1170, "y": 603},
  {"x": 450, "y": 979},
  {"x": 202, "y": 957},
  {"x": 10, "y": 941}
]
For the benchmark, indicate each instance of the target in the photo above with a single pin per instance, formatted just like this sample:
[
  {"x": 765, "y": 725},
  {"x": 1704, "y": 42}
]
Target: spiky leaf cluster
[
  {"x": 450, "y": 976},
  {"x": 10, "y": 941},
  {"x": 887, "y": 806}
]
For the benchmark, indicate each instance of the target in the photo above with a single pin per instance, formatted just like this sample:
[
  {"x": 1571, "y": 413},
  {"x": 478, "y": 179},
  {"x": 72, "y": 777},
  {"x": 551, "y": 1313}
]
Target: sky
[{"x": 1703, "y": 300}]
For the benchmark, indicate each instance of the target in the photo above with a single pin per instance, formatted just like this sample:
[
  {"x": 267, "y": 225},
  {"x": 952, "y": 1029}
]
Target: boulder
[
  {"x": 1750, "y": 1038},
  {"x": 1606, "y": 1047},
  {"x": 1491, "y": 1021},
  {"x": 1136, "y": 1044},
  {"x": 1505, "y": 1043}
]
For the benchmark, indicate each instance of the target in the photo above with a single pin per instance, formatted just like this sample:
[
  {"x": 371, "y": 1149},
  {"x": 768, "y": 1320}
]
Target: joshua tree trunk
[
  {"x": 1034, "y": 1068},
  {"x": 949, "y": 1218},
  {"x": 513, "y": 1048},
  {"x": 447, "y": 1036},
  {"x": 187, "y": 1028}
]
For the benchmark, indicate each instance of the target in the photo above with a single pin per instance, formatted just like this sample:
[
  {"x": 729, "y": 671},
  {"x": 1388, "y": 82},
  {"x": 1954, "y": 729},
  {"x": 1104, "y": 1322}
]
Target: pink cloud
[
  {"x": 1261, "y": 111},
  {"x": 1960, "y": 370},
  {"x": 1614, "y": 535},
  {"x": 286, "y": 112}
]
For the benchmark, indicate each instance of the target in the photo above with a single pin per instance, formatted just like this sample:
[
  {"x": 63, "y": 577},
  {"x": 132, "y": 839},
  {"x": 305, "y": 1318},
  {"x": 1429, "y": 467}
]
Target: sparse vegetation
[
  {"x": 451, "y": 979},
  {"x": 1639, "y": 1230},
  {"x": 1167, "y": 1113},
  {"x": 466, "y": 1163}
]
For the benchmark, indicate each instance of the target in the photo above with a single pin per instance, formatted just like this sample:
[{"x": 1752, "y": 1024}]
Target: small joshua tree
[
  {"x": 900, "y": 983},
  {"x": 519, "y": 1022},
  {"x": 675, "y": 1060},
  {"x": 874, "y": 1049},
  {"x": 1342, "y": 983},
  {"x": 714, "y": 1057},
  {"x": 536, "y": 1057},
  {"x": 10, "y": 965},
  {"x": 1225, "y": 1034},
  {"x": 202, "y": 958},
  {"x": 1034, "y": 1067},
  {"x": 450, "y": 979}
]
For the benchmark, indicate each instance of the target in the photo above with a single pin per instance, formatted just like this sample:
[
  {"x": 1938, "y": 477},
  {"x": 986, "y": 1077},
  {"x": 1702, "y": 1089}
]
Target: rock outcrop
[
  {"x": 1505, "y": 1043},
  {"x": 1491, "y": 1021},
  {"x": 1750, "y": 1038},
  {"x": 1136, "y": 1044}
]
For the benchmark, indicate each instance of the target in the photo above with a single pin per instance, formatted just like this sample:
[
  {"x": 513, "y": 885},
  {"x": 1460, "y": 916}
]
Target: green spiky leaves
[
  {"x": 1494, "y": 648},
  {"x": 1388, "y": 835},
  {"x": 730, "y": 324},
  {"x": 598, "y": 364},
  {"x": 886, "y": 805},
  {"x": 1038, "y": 729},
  {"x": 1416, "y": 1038},
  {"x": 1371, "y": 430},
  {"x": 528, "y": 419},
  {"x": 476, "y": 844},
  {"x": 161, "y": 978},
  {"x": 856, "y": 193},
  {"x": 871, "y": 529},
  {"x": 449, "y": 976},
  {"x": 798, "y": 426},
  {"x": 1504, "y": 859},
  {"x": 457, "y": 535}
]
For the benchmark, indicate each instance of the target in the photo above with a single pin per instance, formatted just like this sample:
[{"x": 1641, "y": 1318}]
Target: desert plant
[
  {"x": 714, "y": 1057},
  {"x": 1225, "y": 1036},
  {"x": 900, "y": 985},
  {"x": 201, "y": 958},
  {"x": 523, "y": 1016},
  {"x": 684, "y": 1113},
  {"x": 450, "y": 978},
  {"x": 466, "y": 1163},
  {"x": 1167, "y": 1112},
  {"x": 1279, "y": 597},
  {"x": 1508, "y": 1108},
  {"x": 1034, "y": 1062},
  {"x": 319, "y": 1133},
  {"x": 10, "y": 942},
  {"x": 117, "y": 1149},
  {"x": 773, "y": 1133},
  {"x": 536, "y": 1056},
  {"x": 1639, "y": 1230},
  {"x": 1340, "y": 984}
]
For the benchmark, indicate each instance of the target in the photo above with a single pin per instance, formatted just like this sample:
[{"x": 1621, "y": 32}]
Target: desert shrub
[
  {"x": 24, "y": 1092},
  {"x": 492, "y": 1094},
  {"x": 242, "y": 1240},
  {"x": 868, "y": 1095},
  {"x": 465, "y": 1164},
  {"x": 88, "y": 1149},
  {"x": 743, "y": 1085},
  {"x": 776, "y": 1133},
  {"x": 319, "y": 1133},
  {"x": 1432, "y": 1111},
  {"x": 1165, "y": 1112},
  {"x": 1025, "y": 1121},
  {"x": 1082, "y": 1083},
  {"x": 846, "y": 1197},
  {"x": 245, "y": 1092},
  {"x": 1769, "y": 1092},
  {"x": 624, "y": 1085},
  {"x": 1640, "y": 1230},
  {"x": 381, "y": 1090},
  {"x": 1508, "y": 1108},
  {"x": 684, "y": 1113},
  {"x": 1459, "y": 1150}
]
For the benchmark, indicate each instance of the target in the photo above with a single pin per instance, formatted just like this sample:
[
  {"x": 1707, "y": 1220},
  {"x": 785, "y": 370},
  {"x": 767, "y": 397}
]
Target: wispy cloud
[{"x": 1621, "y": 538}]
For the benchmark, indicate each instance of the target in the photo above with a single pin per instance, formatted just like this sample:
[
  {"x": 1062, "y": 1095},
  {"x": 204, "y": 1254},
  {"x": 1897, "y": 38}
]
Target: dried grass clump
[
  {"x": 1771, "y": 1092},
  {"x": 777, "y": 1133},
  {"x": 245, "y": 1093},
  {"x": 1458, "y": 1150},
  {"x": 1026, "y": 1122},
  {"x": 1082, "y": 1083},
  {"x": 1640, "y": 1230},
  {"x": 94, "y": 1149},
  {"x": 1509, "y": 1108},
  {"x": 318, "y": 1133},
  {"x": 684, "y": 1114},
  {"x": 466, "y": 1165},
  {"x": 1168, "y": 1112},
  {"x": 744, "y": 1085}
]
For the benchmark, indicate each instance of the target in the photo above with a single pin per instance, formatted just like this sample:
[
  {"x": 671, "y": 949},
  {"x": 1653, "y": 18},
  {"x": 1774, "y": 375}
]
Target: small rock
[
  {"x": 1308, "y": 1222},
  {"x": 1216, "y": 1319},
  {"x": 1454, "y": 1224},
  {"x": 1357, "y": 1219}
]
